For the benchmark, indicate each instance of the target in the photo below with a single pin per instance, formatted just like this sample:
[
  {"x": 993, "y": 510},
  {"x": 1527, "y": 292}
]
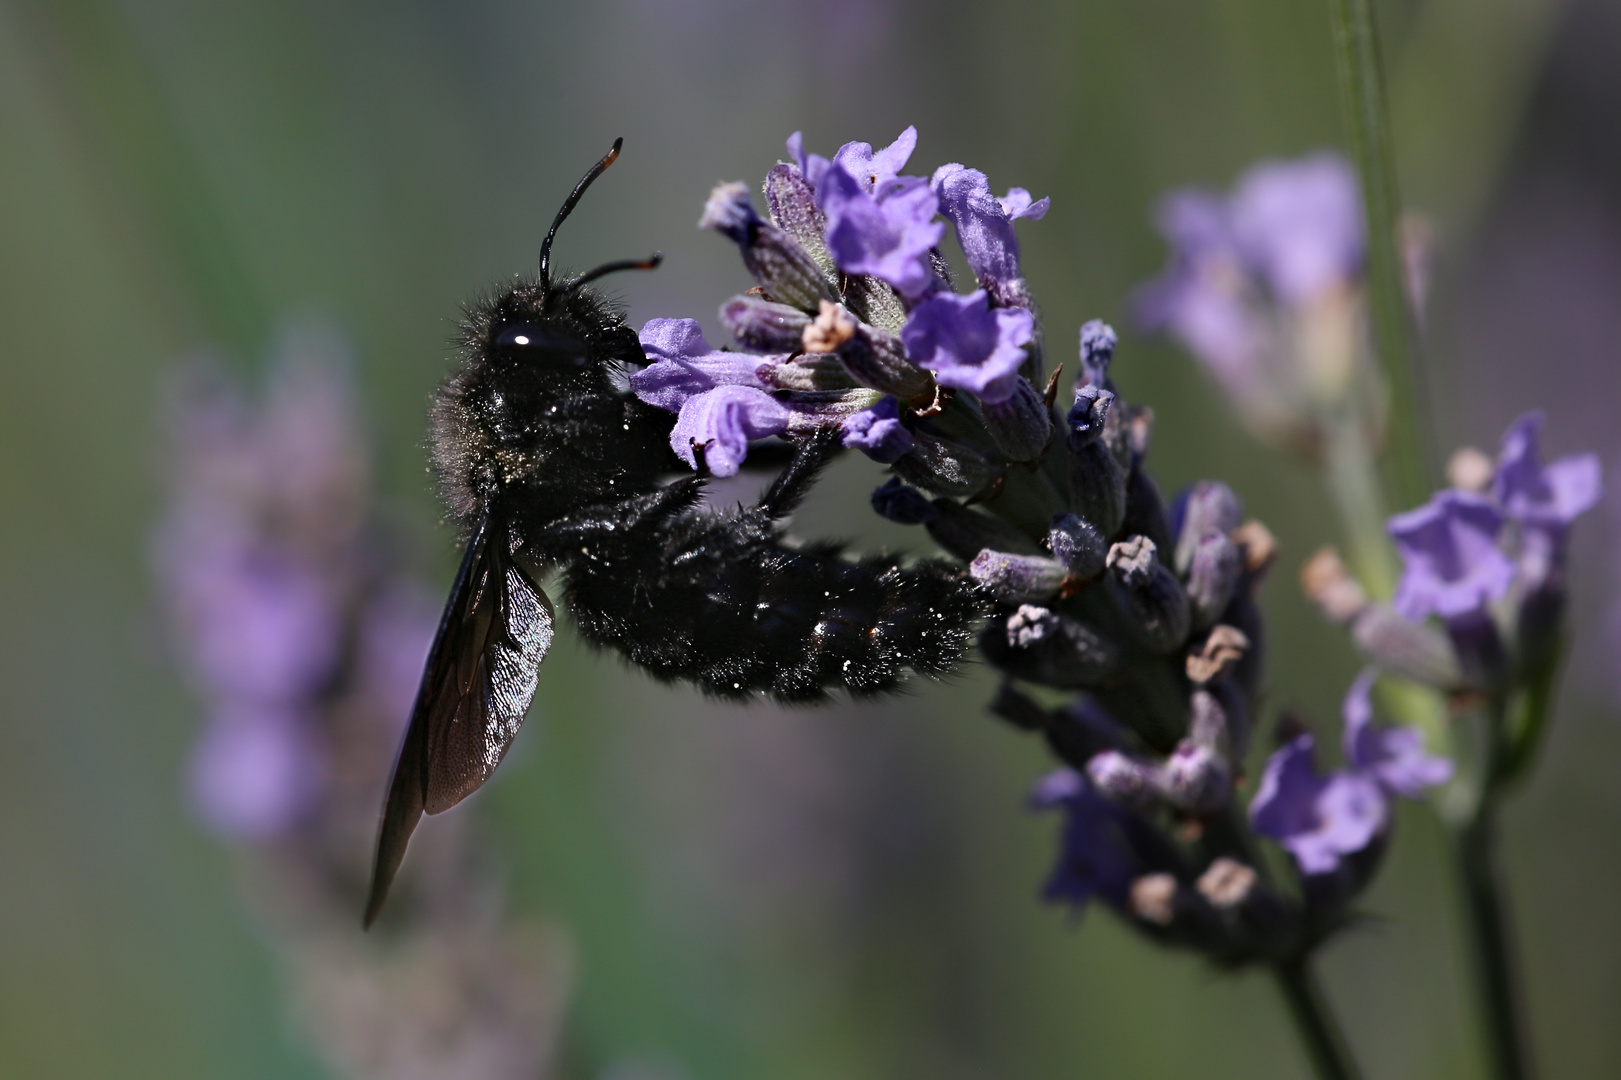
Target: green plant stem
[
  {"x": 1489, "y": 933},
  {"x": 1363, "y": 91},
  {"x": 1351, "y": 476},
  {"x": 1325, "y": 1045}
]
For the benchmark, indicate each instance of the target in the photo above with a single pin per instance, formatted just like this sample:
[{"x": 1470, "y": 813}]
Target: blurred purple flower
[
  {"x": 1262, "y": 289},
  {"x": 1095, "y": 858},
  {"x": 1317, "y": 819},
  {"x": 1535, "y": 495},
  {"x": 261, "y": 626},
  {"x": 968, "y": 344},
  {"x": 257, "y": 771},
  {"x": 1454, "y": 565},
  {"x": 1394, "y": 756},
  {"x": 1298, "y": 225}
]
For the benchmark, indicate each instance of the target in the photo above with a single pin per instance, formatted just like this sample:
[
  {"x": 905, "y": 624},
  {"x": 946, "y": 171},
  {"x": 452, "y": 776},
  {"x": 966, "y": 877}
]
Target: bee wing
[{"x": 476, "y": 687}]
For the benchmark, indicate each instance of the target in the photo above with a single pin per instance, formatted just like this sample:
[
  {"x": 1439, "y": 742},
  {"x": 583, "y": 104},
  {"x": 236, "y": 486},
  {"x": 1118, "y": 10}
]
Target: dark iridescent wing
[{"x": 476, "y": 688}]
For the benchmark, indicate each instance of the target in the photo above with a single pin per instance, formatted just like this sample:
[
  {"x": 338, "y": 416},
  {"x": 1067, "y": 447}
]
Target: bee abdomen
[{"x": 792, "y": 624}]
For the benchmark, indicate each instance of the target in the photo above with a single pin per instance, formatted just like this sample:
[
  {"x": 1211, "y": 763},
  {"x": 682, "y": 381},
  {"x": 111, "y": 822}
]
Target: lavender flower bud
[
  {"x": 791, "y": 201},
  {"x": 765, "y": 326},
  {"x": 1212, "y": 578},
  {"x": 1153, "y": 898},
  {"x": 1410, "y": 649},
  {"x": 1259, "y": 548},
  {"x": 809, "y": 374},
  {"x": 1208, "y": 506},
  {"x": 1227, "y": 883},
  {"x": 1219, "y": 721},
  {"x": 1018, "y": 709},
  {"x": 1098, "y": 341},
  {"x": 1017, "y": 577},
  {"x": 777, "y": 261},
  {"x": 1155, "y": 597},
  {"x": 1329, "y": 584},
  {"x": 1145, "y": 510},
  {"x": 1077, "y": 544},
  {"x": 1045, "y": 647},
  {"x": 1097, "y": 483},
  {"x": 1121, "y": 778},
  {"x": 1195, "y": 778},
  {"x": 1078, "y": 732},
  {"x": 902, "y": 504},
  {"x": 1020, "y": 425},
  {"x": 872, "y": 357},
  {"x": 945, "y": 466},
  {"x": 1222, "y": 649},
  {"x": 965, "y": 532}
]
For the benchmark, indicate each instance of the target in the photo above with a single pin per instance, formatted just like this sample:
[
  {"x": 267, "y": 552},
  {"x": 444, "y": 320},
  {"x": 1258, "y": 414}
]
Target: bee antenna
[
  {"x": 649, "y": 263},
  {"x": 568, "y": 207}
]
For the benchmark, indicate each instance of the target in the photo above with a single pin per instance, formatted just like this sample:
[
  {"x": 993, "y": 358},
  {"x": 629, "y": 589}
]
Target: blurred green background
[{"x": 754, "y": 893}]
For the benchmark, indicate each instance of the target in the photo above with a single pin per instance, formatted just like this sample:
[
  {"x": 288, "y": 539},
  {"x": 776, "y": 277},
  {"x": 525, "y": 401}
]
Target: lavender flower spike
[
  {"x": 1454, "y": 566},
  {"x": 1319, "y": 820},
  {"x": 968, "y": 344},
  {"x": 1394, "y": 756}
]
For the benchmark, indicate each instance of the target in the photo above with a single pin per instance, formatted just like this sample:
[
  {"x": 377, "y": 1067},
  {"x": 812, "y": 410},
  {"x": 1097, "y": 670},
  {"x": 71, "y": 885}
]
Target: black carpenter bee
[{"x": 548, "y": 463}]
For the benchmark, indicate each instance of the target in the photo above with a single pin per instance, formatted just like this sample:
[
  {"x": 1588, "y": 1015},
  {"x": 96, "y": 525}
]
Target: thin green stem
[
  {"x": 1362, "y": 88},
  {"x": 1489, "y": 934},
  {"x": 1324, "y": 1042},
  {"x": 1351, "y": 476}
]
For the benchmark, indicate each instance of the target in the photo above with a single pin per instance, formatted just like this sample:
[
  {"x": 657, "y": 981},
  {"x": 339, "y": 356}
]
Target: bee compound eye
[{"x": 521, "y": 336}]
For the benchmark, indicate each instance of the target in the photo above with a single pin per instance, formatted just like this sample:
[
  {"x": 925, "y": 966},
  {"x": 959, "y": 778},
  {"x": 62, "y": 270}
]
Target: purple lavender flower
[
  {"x": 878, "y": 432},
  {"x": 1319, "y": 820},
  {"x": 1095, "y": 858},
  {"x": 1298, "y": 225},
  {"x": 887, "y": 233},
  {"x": 1394, "y": 756},
  {"x": 1454, "y": 566},
  {"x": 723, "y": 421},
  {"x": 721, "y": 401},
  {"x": 984, "y": 223},
  {"x": 872, "y": 168},
  {"x": 684, "y": 366},
  {"x": 1539, "y": 496},
  {"x": 968, "y": 344}
]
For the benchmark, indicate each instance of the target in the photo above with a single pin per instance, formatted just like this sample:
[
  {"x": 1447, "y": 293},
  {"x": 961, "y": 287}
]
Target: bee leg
[
  {"x": 795, "y": 481},
  {"x": 592, "y": 522}
]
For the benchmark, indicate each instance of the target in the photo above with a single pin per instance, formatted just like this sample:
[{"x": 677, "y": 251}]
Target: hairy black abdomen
[{"x": 790, "y": 623}]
